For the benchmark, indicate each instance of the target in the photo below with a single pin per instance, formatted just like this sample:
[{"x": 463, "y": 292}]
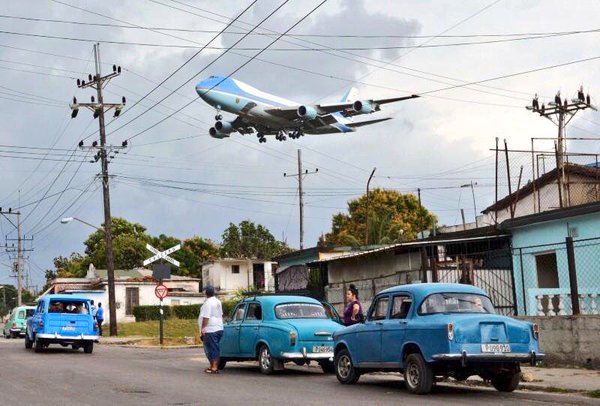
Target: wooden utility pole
[
  {"x": 18, "y": 265},
  {"x": 300, "y": 175},
  {"x": 99, "y": 108}
]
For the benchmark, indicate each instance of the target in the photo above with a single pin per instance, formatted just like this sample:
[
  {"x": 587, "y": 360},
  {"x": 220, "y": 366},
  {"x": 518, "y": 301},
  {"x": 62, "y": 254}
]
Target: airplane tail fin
[{"x": 350, "y": 95}]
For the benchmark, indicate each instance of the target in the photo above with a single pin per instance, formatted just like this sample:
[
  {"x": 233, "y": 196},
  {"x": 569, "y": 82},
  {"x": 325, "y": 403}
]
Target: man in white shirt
[{"x": 210, "y": 322}]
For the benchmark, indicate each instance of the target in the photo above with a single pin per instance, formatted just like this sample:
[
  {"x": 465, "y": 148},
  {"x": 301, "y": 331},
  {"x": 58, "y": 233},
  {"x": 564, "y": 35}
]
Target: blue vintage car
[
  {"x": 275, "y": 329},
  {"x": 434, "y": 329},
  {"x": 62, "y": 319}
]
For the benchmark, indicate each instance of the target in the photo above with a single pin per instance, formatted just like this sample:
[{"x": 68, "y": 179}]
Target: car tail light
[
  {"x": 536, "y": 331},
  {"x": 41, "y": 323},
  {"x": 450, "y": 331},
  {"x": 292, "y": 338}
]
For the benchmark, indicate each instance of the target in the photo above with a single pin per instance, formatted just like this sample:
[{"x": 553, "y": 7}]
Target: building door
[
  {"x": 258, "y": 275},
  {"x": 547, "y": 271},
  {"x": 132, "y": 298}
]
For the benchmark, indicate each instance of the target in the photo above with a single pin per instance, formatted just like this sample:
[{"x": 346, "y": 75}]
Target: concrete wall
[
  {"x": 569, "y": 340},
  {"x": 220, "y": 275}
]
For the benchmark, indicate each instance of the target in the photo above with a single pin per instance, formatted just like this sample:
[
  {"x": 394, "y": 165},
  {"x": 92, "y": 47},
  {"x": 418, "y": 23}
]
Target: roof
[
  {"x": 254, "y": 261},
  {"x": 423, "y": 289},
  {"x": 483, "y": 233},
  {"x": 551, "y": 215},
  {"x": 548, "y": 177},
  {"x": 139, "y": 273},
  {"x": 64, "y": 296},
  {"x": 275, "y": 299}
]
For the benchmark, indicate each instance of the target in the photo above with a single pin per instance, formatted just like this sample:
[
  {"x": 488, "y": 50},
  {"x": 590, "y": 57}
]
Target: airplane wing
[
  {"x": 368, "y": 122},
  {"x": 347, "y": 109}
]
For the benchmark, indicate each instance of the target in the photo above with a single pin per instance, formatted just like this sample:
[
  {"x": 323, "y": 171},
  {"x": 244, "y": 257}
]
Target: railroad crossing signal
[{"x": 162, "y": 254}]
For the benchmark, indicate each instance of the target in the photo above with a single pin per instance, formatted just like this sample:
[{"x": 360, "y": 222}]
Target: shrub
[
  {"x": 186, "y": 311},
  {"x": 228, "y": 306},
  {"x": 144, "y": 313}
]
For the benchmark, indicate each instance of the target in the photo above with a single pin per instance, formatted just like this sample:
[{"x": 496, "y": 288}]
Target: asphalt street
[{"x": 115, "y": 375}]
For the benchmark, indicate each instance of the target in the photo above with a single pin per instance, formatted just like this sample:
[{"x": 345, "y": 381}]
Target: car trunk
[
  {"x": 488, "y": 328},
  {"x": 68, "y": 324},
  {"x": 320, "y": 330}
]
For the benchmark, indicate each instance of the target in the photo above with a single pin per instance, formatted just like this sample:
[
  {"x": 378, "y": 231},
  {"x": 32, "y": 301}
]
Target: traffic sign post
[{"x": 161, "y": 291}]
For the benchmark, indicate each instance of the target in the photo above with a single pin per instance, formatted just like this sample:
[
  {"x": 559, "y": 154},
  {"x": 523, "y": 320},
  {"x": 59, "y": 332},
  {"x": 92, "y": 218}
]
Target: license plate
[
  {"x": 322, "y": 348},
  {"x": 495, "y": 348},
  {"x": 69, "y": 328}
]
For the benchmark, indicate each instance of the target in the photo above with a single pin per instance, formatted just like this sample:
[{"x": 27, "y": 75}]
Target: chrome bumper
[
  {"x": 307, "y": 355},
  {"x": 56, "y": 336},
  {"x": 531, "y": 357}
]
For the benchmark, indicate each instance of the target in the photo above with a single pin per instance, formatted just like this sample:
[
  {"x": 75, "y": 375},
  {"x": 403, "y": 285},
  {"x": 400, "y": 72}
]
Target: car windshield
[
  {"x": 456, "y": 303},
  {"x": 300, "y": 311}
]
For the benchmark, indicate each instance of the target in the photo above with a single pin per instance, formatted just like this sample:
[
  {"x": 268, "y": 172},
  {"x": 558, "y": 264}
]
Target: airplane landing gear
[
  {"x": 296, "y": 134},
  {"x": 218, "y": 117},
  {"x": 261, "y": 137},
  {"x": 281, "y": 136}
]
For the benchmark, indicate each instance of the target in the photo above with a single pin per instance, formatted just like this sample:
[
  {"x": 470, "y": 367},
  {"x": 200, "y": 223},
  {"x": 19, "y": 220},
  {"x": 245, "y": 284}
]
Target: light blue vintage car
[
  {"x": 434, "y": 329},
  {"x": 275, "y": 329}
]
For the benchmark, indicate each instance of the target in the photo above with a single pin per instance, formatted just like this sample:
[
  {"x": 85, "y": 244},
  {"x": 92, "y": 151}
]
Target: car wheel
[
  {"x": 506, "y": 382},
  {"x": 345, "y": 371},
  {"x": 38, "y": 344},
  {"x": 222, "y": 363},
  {"x": 327, "y": 367},
  {"x": 28, "y": 342},
  {"x": 418, "y": 375},
  {"x": 265, "y": 360},
  {"x": 88, "y": 347}
]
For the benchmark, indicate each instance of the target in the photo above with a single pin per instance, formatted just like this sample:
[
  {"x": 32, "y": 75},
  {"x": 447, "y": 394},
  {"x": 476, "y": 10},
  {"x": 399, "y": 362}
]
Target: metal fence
[{"x": 558, "y": 279}]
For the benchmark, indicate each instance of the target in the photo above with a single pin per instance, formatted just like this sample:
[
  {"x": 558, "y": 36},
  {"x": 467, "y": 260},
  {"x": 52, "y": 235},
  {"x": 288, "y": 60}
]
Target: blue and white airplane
[{"x": 265, "y": 114}]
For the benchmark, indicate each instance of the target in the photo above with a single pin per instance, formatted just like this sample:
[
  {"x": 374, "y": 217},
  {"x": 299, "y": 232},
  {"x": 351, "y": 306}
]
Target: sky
[{"x": 476, "y": 64}]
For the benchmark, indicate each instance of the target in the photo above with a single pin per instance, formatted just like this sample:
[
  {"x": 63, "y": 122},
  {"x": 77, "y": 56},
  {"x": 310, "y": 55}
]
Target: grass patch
[
  {"x": 594, "y": 393},
  {"x": 173, "y": 328}
]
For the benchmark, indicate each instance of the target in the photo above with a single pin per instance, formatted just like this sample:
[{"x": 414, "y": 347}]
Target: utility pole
[
  {"x": 557, "y": 112},
  {"x": 300, "y": 175},
  {"x": 367, "y": 212},
  {"x": 98, "y": 82},
  {"x": 18, "y": 266}
]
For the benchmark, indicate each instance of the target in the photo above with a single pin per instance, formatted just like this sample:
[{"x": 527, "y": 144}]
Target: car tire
[
  {"x": 222, "y": 363},
  {"x": 88, "y": 348},
  {"x": 265, "y": 360},
  {"x": 28, "y": 342},
  {"x": 418, "y": 375},
  {"x": 506, "y": 382},
  {"x": 327, "y": 367},
  {"x": 344, "y": 368},
  {"x": 38, "y": 344}
]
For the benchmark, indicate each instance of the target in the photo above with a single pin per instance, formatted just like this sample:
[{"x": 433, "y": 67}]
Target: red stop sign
[{"x": 161, "y": 291}]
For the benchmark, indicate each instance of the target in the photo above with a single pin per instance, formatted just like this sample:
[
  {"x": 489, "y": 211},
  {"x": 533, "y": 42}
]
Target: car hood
[{"x": 314, "y": 329}]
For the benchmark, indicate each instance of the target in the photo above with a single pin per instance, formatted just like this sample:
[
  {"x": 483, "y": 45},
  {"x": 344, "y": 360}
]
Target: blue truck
[{"x": 62, "y": 319}]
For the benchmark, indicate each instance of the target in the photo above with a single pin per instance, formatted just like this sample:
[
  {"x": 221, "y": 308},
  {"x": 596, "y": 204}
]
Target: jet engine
[
  {"x": 224, "y": 127},
  {"x": 307, "y": 112},
  {"x": 363, "y": 107},
  {"x": 216, "y": 134}
]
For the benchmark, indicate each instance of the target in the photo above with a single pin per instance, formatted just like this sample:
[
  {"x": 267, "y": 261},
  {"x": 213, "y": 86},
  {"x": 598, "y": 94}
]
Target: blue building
[{"x": 540, "y": 262}]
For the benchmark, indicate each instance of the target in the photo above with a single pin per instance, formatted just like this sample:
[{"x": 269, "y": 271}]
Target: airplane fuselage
[{"x": 251, "y": 105}]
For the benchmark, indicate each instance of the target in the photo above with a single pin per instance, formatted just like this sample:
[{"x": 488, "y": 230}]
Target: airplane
[{"x": 265, "y": 114}]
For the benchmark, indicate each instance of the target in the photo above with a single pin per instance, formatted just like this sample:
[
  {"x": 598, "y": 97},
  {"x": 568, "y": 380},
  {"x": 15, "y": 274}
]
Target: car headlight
[
  {"x": 292, "y": 338},
  {"x": 536, "y": 331},
  {"x": 450, "y": 331}
]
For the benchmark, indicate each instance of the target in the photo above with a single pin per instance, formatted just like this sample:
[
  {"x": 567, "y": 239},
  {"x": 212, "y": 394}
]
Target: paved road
[{"x": 130, "y": 376}]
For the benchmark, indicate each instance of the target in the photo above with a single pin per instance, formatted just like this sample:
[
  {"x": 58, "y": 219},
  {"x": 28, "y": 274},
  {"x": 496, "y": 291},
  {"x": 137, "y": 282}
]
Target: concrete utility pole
[
  {"x": 367, "y": 212},
  {"x": 19, "y": 251},
  {"x": 300, "y": 175},
  {"x": 559, "y": 109},
  {"x": 98, "y": 82}
]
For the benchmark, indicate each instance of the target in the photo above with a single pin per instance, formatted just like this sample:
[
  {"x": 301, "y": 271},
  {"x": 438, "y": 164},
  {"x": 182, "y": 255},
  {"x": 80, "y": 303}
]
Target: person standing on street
[
  {"x": 210, "y": 323},
  {"x": 93, "y": 308},
  {"x": 353, "y": 312},
  {"x": 100, "y": 317}
]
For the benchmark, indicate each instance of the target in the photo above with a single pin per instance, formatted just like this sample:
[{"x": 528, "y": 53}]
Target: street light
[{"x": 112, "y": 306}]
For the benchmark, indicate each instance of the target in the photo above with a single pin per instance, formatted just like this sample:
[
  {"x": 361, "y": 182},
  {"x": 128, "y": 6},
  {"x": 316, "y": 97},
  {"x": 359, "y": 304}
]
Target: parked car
[
  {"x": 434, "y": 329},
  {"x": 275, "y": 329},
  {"x": 15, "y": 325},
  {"x": 62, "y": 319}
]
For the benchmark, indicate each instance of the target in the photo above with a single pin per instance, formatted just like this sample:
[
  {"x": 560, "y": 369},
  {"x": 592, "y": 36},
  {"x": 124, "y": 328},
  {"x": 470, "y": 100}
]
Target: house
[
  {"x": 480, "y": 257},
  {"x": 132, "y": 288},
  {"x": 230, "y": 274},
  {"x": 292, "y": 274},
  {"x": 541, "y": 261},
  {"x": 581, "y": 186}
]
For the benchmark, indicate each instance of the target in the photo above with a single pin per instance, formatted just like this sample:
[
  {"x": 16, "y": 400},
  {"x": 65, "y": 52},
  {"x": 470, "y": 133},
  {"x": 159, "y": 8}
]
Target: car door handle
[{"x": 402, "y": 322}]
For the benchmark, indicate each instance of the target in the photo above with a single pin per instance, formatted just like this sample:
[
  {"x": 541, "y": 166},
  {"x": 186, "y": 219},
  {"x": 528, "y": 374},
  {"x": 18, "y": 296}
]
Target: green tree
[
  {"x": 393, "y": 217},
  {"x": 8, "y": 299},
  {"x": 248, "y": 240}
]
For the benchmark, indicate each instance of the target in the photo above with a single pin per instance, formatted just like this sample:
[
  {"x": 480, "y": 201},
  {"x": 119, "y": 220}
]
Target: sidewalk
[
  {"x": 140, "y": 342},
  {"x": 557, "y": 379}
]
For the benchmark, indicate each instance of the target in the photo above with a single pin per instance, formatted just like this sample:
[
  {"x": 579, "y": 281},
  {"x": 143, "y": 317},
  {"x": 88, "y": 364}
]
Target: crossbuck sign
[{"x": 162, "y": 255}]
